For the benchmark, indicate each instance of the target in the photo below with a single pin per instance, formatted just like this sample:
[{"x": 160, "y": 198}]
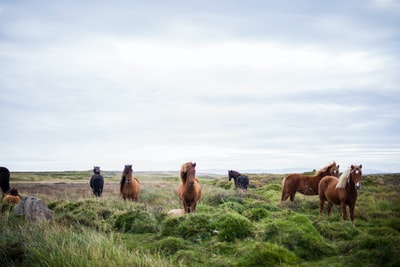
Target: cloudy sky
[{"x": 228, "y": 84}]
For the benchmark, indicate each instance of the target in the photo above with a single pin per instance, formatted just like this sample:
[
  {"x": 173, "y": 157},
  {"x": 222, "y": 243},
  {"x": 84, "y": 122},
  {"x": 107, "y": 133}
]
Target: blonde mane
[
  {"x": 325, "y": 169},
  {"x": 344, "y": 179}
]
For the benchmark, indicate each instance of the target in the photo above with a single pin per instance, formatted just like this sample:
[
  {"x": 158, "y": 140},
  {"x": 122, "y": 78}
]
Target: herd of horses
[{"x": 325, "y": 183}]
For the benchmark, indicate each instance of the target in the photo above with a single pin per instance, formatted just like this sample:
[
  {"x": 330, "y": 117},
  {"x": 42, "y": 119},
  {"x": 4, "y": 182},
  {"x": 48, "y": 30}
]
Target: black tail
[{"x": 4, "y": 179}]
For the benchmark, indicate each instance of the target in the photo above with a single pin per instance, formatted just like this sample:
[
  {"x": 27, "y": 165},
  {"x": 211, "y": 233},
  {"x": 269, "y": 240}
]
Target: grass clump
[
  {"x": 267, "y": 254},
  {"x": 298, "y": 234},
  {"x": 194, "y": 226},
  {"x": 376, "y": 250},
  {"x": 138, "y": 221},
  {"x": 170, "y": 245},
  {"x": 231, "y": 226}
]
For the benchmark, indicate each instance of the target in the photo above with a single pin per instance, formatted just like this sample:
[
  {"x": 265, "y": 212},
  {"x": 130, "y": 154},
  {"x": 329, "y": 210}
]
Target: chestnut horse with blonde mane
[
  {"x": 342, "y": 191},
  {"x": 130, "y": 186},
  {"x": 307, "y": 185},
  {"x": 189, "y": 190}
]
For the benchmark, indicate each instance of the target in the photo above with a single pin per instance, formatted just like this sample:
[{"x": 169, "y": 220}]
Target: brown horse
[
  {"x": 307, "y": 185},
  {"x": 189, "y": 190},
  {"x": 342, "y": 191},
  {"x": 12, "y": 197},
  {"x": 129, "y": 185}
]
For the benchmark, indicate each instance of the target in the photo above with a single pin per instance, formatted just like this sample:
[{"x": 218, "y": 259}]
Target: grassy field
[{"x": 230, "y": 228}]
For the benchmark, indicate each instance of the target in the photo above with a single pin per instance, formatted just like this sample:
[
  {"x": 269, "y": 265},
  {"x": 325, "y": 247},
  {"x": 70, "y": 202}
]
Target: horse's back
[
  {"x": 243, "y": 181},
  {"x": 291, "y": 179},
  {"x": 327, "y": 186},
  {"x": 290, "y": 182}
]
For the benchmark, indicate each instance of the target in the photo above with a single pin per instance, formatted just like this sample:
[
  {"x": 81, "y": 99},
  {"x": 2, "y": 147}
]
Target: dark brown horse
[
  {"x": 307, "y": 185},
  {"x": 129, "y": 185},
  {"x": 4, "y": 179},
  {"x": 342, "y": 191},
  {"x": 189, "y": 190},
  {"x": 241, "y": 181},
  {"x": 97, "y": 182}
]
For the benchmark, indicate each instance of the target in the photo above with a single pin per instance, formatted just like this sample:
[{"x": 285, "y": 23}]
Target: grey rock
[{"x": 33, "y": 209}]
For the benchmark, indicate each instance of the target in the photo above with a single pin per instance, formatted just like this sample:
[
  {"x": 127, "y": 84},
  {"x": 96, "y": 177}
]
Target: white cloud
[{"x": 178, "y": 89}]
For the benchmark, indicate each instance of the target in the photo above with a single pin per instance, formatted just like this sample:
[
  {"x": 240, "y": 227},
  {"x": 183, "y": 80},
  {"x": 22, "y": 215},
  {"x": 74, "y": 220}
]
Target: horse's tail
[
  {"x": 283, "y": 181},
  {"x": 4, "y": 179}
]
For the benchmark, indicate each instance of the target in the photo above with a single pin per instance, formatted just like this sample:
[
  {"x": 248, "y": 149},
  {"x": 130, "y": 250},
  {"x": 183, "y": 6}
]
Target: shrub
[
  {"x": 192, "y": 226},
  {"x": 232, "y": 225},
  {"x": 233, "y": 206},
  {"x": 170, "y": 245},
  {"x": 255, "y": 214},
  {"x": 374, "y": 250},
  {"x": 337, "y": 230},
  {"x": 136, "y": 222},
  {"x": 267, "y": 254},
  {"x": 297, "y": 234}
]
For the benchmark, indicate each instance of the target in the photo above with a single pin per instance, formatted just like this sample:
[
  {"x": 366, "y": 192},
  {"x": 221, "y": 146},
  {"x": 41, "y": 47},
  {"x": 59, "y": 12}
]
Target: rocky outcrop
[{"x": 33, "y": 209}]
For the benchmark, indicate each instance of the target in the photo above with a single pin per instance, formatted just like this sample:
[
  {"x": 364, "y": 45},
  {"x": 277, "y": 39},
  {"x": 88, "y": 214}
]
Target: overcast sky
[{"x": 228, "y": 84}]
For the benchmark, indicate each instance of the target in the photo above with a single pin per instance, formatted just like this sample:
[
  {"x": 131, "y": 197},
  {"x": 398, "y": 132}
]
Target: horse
[
  {"x": 189, "y": 190},
  {"x": 129, "y": 185},
  {"x": 241, "y": 181},
  {"x": 307, "y": 185},
  {"x": 4, "y": 179},
  {"x": 12, "y": 197},
  {"x": 342, "y": 191},
  {"x": 97, "y": 182}
]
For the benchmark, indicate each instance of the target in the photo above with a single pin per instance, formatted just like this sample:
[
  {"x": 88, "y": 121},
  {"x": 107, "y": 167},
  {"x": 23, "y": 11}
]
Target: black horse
[
  {"x": 97, "y": 182},
  {"x": 241, "y": 181},
  {"x": 4, "y": 179}
]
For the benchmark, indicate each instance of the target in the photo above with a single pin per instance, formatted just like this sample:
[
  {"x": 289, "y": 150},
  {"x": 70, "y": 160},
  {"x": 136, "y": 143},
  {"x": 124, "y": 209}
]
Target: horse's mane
[
  {"x": 234, "y": 172},
  {"x": 185, "y": 168},
  {"x": 325, "y": 169},
  {"x": 343, "y": 179},
  {"x": 126, "y": 171}
]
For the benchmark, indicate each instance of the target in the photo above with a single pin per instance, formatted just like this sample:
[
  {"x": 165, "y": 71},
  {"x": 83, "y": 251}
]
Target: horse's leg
[
  {"x": 185, "y": 206},
  {"x": 351, "y": 208},
  {"x": 292, "y": 196},
  {"x": 329, "y": 208},
  {"x": 194, "y": 206},
  {"x": 321, "y": 205},
  {"x": 344, "y": 210}
]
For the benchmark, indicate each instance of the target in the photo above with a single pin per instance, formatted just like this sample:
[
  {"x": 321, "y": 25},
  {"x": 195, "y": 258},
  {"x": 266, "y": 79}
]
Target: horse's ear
[
  {"x": 360, "y": 166},
  {"x": 338, "y": 166},
  {"x": 194, "y": 164},
  {"x": 352, "y": 167}
]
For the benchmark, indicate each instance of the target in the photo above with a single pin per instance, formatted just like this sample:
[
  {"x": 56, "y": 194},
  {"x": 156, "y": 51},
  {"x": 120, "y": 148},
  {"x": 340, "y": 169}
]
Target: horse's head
[
  {"x": 96, "y": 169},
  {"x": 355, "y": 175},
  {"x": 333, "y": 170},
  {"x": 230, "y": 174},
  {"x": 127, "y": 173},
  {"x": 188, "y": 173}
]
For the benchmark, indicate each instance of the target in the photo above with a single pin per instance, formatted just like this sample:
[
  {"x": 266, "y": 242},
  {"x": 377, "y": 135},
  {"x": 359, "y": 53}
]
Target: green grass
[{"x": 229, "y": 229}]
